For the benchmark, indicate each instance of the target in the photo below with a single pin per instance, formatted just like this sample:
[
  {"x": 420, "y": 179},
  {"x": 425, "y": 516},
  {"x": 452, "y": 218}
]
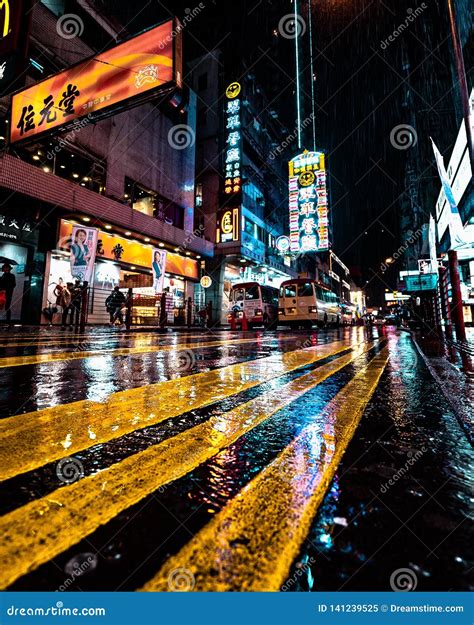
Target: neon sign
[
  {"x": 233, "y": 140},
  {"x": 309, "y": 225}
]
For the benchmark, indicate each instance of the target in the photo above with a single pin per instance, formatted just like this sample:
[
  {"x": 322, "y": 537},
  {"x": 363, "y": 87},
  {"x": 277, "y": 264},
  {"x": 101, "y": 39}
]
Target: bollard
[
  {"x": 84, "y": 304},
  {"x": 245, "y": 324},
  {"x": 128, "y": 314},
  {"x": 189, "y": 313},
  {"x": 233, "y": 324},
  {"x": 209, "y": 314},
  {"x": 163, "y": 312}
]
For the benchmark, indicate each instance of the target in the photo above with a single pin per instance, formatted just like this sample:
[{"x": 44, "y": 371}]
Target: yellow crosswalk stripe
[
  {"x": 35, "y": 359},
  {"x": 40, "y": 530},
  {"x": 55, "y": 341},
  {"x": 251, "y": 544},
  {"x": 53, "y": 433}
]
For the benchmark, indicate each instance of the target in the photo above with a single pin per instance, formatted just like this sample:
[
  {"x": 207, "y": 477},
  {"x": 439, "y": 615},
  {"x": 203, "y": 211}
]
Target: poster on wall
[
  {"x": 83, "y": 248},
  {"x": 158, "y": 266}
]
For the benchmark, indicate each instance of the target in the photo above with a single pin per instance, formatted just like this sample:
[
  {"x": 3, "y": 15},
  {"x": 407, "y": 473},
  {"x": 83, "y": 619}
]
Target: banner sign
[
  {"x": 158, "y": 265},
  {"x": 125, "y": 75},
  {"x": 233, "y": 140},
  {"x": 83, "y": 250},
  {"x": 456, "y": 229},
  {"x": 309, "y": 226}
]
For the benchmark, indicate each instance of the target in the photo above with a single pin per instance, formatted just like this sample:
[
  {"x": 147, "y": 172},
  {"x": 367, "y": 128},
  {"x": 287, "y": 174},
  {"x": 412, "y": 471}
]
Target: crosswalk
[{"x": 233, "y": 551}]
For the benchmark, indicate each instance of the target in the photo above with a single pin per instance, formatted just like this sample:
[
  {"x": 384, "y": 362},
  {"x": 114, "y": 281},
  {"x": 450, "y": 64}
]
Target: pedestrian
[
  {"x": 58, "y": 290},
  {"x": 76, "y": 302},
  {"x": 66, "y": 298},
  {"x": 114, "y": 303},
  {"x": 8, "y": 284}
]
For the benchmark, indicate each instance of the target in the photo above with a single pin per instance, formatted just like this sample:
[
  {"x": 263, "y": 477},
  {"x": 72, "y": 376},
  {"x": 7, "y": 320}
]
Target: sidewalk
[{"x": 452, "y": 365}]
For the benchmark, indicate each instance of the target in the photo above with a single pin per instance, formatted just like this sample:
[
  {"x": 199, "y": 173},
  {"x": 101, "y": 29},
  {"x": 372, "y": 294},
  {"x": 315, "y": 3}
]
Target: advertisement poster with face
[
  {"x": 158, "y": 265},
  {"x": 83, "y": 248}
]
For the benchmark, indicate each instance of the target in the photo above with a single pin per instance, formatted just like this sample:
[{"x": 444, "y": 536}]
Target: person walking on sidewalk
[
  {"x": 114, "y": 304},
  {"x": 66, "y": 298},
  {"x": 8, "y": 284}
]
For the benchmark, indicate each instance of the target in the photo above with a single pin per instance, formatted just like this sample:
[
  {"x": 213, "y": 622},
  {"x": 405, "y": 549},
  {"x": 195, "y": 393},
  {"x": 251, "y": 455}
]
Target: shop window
[
  {"x": 152, "y": 204},
  {"x": 78, "y": 168}
]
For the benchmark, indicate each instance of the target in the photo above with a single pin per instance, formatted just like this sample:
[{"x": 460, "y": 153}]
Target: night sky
[{"x": 365, "y": 86}]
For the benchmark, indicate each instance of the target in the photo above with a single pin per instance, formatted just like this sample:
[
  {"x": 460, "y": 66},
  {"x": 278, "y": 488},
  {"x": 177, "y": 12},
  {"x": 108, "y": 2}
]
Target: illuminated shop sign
[
  {"x": 233, "y": 140},
  {"x": 228, "y": 225},
  {"x": 309, "y": 226},
  {"x": 127, "y": 74}
]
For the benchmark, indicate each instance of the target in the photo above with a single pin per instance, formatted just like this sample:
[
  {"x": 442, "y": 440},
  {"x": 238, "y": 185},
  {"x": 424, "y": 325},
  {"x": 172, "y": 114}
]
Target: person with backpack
[{"x": 114, "y": 303}]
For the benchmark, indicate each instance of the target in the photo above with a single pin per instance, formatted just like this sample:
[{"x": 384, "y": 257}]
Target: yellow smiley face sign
[
  {"x": 306, "y": 178},
  {"x": 233, "y": 90}
]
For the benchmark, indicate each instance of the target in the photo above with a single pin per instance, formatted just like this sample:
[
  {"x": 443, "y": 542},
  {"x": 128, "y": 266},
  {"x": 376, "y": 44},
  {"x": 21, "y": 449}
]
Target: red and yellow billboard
[
  {"x": 128, "y": 73},
  {"x": 133, "y": 252}
]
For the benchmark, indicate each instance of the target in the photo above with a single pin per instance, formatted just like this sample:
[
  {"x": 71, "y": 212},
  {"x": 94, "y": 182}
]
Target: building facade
[{"x": 128, "y": 175}]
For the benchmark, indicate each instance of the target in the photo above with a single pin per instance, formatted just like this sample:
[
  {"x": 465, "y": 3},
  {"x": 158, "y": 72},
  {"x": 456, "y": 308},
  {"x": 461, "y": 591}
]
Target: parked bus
[
  {"x": 259, "y": 303},
  {"x": 305, "y": 302}
]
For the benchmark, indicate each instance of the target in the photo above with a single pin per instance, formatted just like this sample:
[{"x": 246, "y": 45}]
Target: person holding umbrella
[{"x": 8, "y": 284}]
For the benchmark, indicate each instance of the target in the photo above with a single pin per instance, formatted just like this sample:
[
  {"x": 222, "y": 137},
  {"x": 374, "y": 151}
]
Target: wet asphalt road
[{"x": 229, "y": 461}]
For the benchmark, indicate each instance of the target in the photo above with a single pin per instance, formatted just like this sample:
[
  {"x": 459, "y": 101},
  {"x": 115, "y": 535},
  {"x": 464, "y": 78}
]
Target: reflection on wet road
[{"x": 207, "y": 454}]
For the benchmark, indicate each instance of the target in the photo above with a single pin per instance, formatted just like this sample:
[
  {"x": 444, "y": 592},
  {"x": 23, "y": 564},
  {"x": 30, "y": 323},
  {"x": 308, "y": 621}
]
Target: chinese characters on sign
[
  {"x": 228, "y": 225},
  {"x": 130, "y": 73},
  {"x": 49, "y": 111},
  {"x": 309, "y": 226},
  {"x": 14, "y": 229},
  {"x": 233, "y": 140}
]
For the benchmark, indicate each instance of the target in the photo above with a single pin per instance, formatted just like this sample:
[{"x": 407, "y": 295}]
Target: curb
[{"x": 457, "y": 405}]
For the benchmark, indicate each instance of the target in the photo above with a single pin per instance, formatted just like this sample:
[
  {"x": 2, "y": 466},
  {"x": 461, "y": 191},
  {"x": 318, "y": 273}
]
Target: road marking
[
  {"x": 52, "y": 433},
  {"x": 35, "y": 359},
  {"x": 81, "y": 339},
  {"x": 251, "y": 544},
  {"x": 40, "y": 530}
]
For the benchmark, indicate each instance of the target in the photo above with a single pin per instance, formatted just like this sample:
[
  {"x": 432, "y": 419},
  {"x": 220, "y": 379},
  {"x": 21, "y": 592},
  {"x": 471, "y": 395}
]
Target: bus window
[
  {"x": 305, "y": 290},
  {"x": 252, "y": 293},
  {"x": 321, "y": 294},
  {"x": 290, "y": 290},
  {"x": 238, "y": 295}
]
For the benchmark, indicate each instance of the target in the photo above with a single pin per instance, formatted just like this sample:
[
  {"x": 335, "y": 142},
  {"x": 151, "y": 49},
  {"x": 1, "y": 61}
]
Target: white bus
[
  {"x": 305, "y": 302},
  {"x": 258, "y": 302}
]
